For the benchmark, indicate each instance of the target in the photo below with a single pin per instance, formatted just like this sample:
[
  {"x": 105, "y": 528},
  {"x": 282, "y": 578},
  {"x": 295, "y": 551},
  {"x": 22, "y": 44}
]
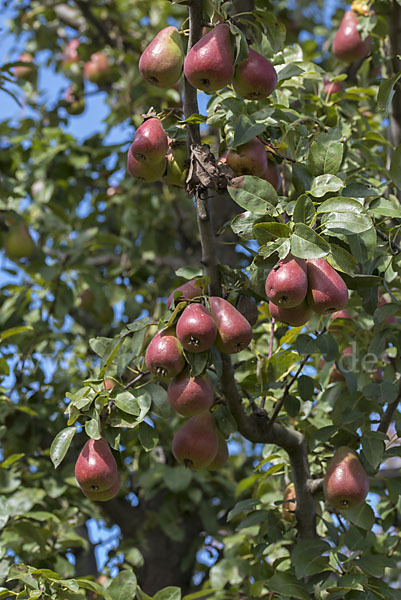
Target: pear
[
  {"x": 248, "y": 159},
  {"x": 70, "y": 54},
  {"x": 209, "y": 65},
  {"x": 327, "y": 291},
  {"x": 248, "y": 308},
  {"x": 18, "y": 242},
  {"x": 74, "y": 101},
  {"x": 196, "y": 443},
  {"x": 96, "y": 468},
  {"x": 188, "y": 291},
  {"x": 162, "y": 60},
  {"x": 176, "y": 170},
  {"x": 348, "y": 44},
  {"x": 272, "y": 175},
  {"x": 150, "y": 142},
  {"x": 287, "y": 283},
  {"x": 104, "y": 495},
  {"x": 234, "y": 332},
  {"x": 149, "y": 172},
  {"x": 22, "y": 72},
  {"x": 221, "y": 457},
  {"x": 255, "y": 77},
  {"x": 164, "y": 356},
  {"x": 296, "y": 316},
  {"x": 289, "y": 503},
  {"x": 97, "y": 68},
  {"x": 346, "y": 483},
  {"x": 190, "y": 396},
  {"x": 332, "y": 87},
  {"x": 196, "y": 328}
]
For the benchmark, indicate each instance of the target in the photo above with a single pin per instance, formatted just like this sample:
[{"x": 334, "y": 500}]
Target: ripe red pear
[
  {"x": 96, "y": 468},
  {"x": 149, "y": 172},
  {"x": 289, "y": 503},
  {"x": 327, "y": 291},
  {"x": 18, "y": 242},
  {"x": 70, "y": 54},
  {"x": 190, "y": 396},
  {"x": 196, "y": 328},
  {"x": 221, "y": 457},
  {"x": 332, "y": 87},
  {"x": 162, "y": 60},
  {"x": 346, "y": 483},
  {"x": 296, "y": 316},
  {"x": 248, "y": 159},
  {"x": 24, "y": 72},
  {"x": 150, "y": 141},
  {"x": 104, "y": 495},
  {"x": 209, "y": 65},
  {"x": 255, "y": 77},
  {"x": 272, "y": 175},
  {"x": 164, "y": 356},
  {"x": 196, "y": 443},
  {"x": 234, "y": 332},
  {"x": 248, "y": 308},
  {"x": 287, "y": 282},
  {"x": 188, "y": 292},
  {"x": 348, "y": 44},
  {"x": 97, "y": 68}
]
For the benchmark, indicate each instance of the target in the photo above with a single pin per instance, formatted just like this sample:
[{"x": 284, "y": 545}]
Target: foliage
[{"x": 110, "y": 249}]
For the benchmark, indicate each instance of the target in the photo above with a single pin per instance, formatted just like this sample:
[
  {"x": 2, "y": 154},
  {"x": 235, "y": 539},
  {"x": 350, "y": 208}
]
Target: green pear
[
  {"x": 248, "y": 159},
  {"x": 196, "y": 443},
  {"x": 348, "y": 44},
  {"x": 296, "y": 316},
  {"x": 196, "y": 328},
  {"x": 18, "y": 242},
  {"x": 255, "y": 77},
  {"x": 148, "y": 171},
  {"x": 209, "y": 65},
  {"x": 346, "y": 483},
  {"x": 164, "y": 357},
  {"x": 190, "y": 396},
  {"x": 96, "y": 468},
  {"x": 150, "y": 142},
  {"x": 234, "y": 332},
  {"x": 327, "y": 291},
  {"x": 287, "y": 283},
  {"x": 162, "y": 60},
  {"x": 176, "y": 169}
]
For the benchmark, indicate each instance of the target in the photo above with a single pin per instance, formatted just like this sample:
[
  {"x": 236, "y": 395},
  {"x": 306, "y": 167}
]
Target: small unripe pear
[
  {"x": 327, "y": 291},
  {"x": 255, "y": 77},
  {"x": 346, "y": 483},
  {"x": 196, "y": 328},
  {"x": 190, "y": 396},
  {"x": 209, "y": 65},
  {"x": 18, "y": 241},
  {"x": 164, "y": 356},
  {"x": 234, "y": 332},
  {"x": 96, "y": 468},
  {"x": 296, "y": 316},
  {"x": 248, "y": 159},
  {"x": 287, "y": 282},
  {"x": 196, "y": 443},
  {"x": 97, "y": 68},
  {"x": 348, "y": 44},
  {"x": 162, "y": 60},
  {"x": 150, "y": 141}
]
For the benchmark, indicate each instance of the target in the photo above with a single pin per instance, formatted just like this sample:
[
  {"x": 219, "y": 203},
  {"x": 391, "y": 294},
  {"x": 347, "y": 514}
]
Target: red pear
[
  {"x": 150, "y": 141},
  {"x": 190, "y": 396},
  {"x": 162, "y": 60},
  {"x": 273, "y": 175},
  {"x": 140, "y": 169},
  {"x": 332, "y": 87},
  {"x": 164, "y": 356},
  {"x": 209, "y": 65},
  {"x": 70, "y": 54},
  {"x": 196, "y": 328},
  {"x": 255, "y": 77},
  {"x": 248, "y": 159},
  {"x": 346, "y": 483},
  {"x": 348, "y": 44},
  {"x": 196, "y": 443},
  {"x": 23, "y": 72},
  {"x": 96, "y": 468},
  {"x": 234, "y": 332},
  {"x": 287, "y": 282},
  {"x": 327, "y": 291},
  {"x": 248, "y": 308},
  {"x": 104, "y": 495},
  {"x": 296, "y": 316},
  {"x": 97, "y": 68},
  {"x": 188, "y": 292},
  {"x": 221, "y": 457}
]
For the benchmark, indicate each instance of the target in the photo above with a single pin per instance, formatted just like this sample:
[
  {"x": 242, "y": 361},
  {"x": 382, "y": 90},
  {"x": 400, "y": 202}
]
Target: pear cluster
[{"x": 296, "y": 288}]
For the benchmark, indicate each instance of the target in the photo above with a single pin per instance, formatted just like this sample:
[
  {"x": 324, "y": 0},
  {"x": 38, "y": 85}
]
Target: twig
[
  {"x": 136, "y": 379},
  {"x": 271, "y": 338},
  {"x": 385, "y": 237}
]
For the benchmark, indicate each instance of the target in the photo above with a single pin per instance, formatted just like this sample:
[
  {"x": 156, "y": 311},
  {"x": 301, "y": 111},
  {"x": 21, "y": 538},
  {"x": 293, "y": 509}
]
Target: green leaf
[
  {"x": 246, "y": 129},
  {"x": 308, "y": 559},
  {"x": 242, "y": 506},
  {"x": 267, "y": 232},
  {"x": 123, "y": 586},
  {"x": 60, "y": 445},
  {"x": 137, "y": 403},
  {"x": 22, "y": 572},
  {"x": 306, "y": 387},
  {"x": 306, "y": 243},
  {"x": 395, "y": 167},
  {"x": 339, "y": 205},
  {"x": 346, "y": 223},
  {"x": 385, "y": 208},
  {"x": 16, "y": 331},
  {"x": 189, "y": 272},
  {"x": 325, "y": 156},
  {"x": 160, "y": 403},
  {"x": 323, "y": 184},
  {"x": 291, "y": 405},
  {"x": 373, "y": 450},
  {"x": 4, "y": 511},
  {"x": 362, "y": 516},
  {"x": 10, "y": 460},
  {"x": 198, "y": 362},
  {"x": 148, "y": 436},
  {"x": 286, "y": 585},
  {"x": 256, "y": 195},
  {"x": 305, "y": 344},
  {"x": 382, "y": 392},
  {"x": 384, "y": 312},
  {"x": 386, "y": 92},
  {"x": 168, "y": 593},
  {"x": 304, "y": 211},
  {"x": 177, "y": 478}
]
